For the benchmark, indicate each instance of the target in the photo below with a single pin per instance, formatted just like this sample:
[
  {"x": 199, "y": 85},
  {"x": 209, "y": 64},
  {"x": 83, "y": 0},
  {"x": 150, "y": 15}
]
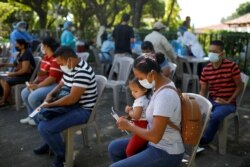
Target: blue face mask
[{"x": 213, "y": 57}]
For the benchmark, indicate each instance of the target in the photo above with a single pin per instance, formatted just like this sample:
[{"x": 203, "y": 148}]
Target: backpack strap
[{"x": 170, "y": 123}]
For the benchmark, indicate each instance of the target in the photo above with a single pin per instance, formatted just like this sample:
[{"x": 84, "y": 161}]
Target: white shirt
[
  {"x": 142, "y": 102},
  {"x": 166, "y": 103},
  {"x": 189, "y": 39},
  {"x": 161, "y": 44}
]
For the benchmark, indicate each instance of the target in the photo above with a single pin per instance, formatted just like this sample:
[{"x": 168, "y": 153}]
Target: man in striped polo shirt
[
  {"x": 221, "y": 80},
  {"x": 79, "y": 77}
]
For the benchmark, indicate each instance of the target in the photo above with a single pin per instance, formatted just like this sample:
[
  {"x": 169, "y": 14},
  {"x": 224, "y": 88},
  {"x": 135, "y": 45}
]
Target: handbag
[{"x": 51, "y": 112}]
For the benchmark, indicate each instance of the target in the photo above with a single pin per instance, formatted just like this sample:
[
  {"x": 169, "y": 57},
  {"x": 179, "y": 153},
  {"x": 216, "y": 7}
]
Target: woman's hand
[
  {"x": 33, "y": 86},
  {"x": 123, "y": 123}
]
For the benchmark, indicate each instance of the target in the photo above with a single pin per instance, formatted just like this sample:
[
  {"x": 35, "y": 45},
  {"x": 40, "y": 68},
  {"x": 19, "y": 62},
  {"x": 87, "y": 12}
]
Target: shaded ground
[{"x": 17, "y": 141}]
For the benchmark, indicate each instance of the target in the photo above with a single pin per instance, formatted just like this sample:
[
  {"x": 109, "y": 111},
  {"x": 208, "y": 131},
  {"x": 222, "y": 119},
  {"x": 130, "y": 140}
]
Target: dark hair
[
  {"x": 218, "y": 43},
  {"x": 22, "y": 42},
  {"x": 147, "y": 45},
  {"x": 64, "y": 52},
  {"x": 125, "y": 17},
  {"x": 51, "y": 43},
  {"x": 160, "y": 57},
  {"x": 136, "y": 82},
  {"x": 146, "y": 64}
]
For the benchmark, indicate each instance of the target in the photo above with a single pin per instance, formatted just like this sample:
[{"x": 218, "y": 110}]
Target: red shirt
[
  {"x": 49, "y": 65},
  {"x": 221, "y": 81}
]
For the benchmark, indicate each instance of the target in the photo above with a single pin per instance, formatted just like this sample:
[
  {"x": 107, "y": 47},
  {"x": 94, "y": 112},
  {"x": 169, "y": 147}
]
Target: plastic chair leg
[
  {"x": 69, "y": 148},
  {"x": 223, "y": 137},
  {"x": 98, "y": 139},
  {"x": 236, "y": 124},
  {"x": 116, "y": 91},
  {"x": 185, "y": 82},
  {"x": 85, "y": 137}
]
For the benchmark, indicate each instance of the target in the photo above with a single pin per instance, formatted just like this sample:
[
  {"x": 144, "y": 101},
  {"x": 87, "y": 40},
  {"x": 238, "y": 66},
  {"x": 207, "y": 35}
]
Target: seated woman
[
  {"x": 23, "y": 68},
  {"x": 47, "y": 78},
  {"x": 165, "y": 143}
]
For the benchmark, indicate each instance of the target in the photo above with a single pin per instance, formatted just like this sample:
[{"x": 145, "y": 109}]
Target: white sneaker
[
  {"x": 25, "y": 120},
  {"x": 32, "y": 122},
  {"x": 200, "y": 149}
]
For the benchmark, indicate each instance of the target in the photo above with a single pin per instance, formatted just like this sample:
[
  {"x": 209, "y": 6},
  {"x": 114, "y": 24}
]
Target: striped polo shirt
[
  {"x": 51, "y": 68},
  {"x": 221, "y": 81},
  {"x": 83, "y": 76}
]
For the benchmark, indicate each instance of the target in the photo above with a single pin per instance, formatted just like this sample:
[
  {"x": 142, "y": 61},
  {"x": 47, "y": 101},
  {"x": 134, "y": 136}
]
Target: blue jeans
[
  {"x": 35, "y": 98},
  {"x": 219, "y": 112},
  {"x": 50, "y": 129},
  {"x": 149, "y": 157}
]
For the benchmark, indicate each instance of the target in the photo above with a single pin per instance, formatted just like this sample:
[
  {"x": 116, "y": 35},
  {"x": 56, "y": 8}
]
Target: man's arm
[
  {"x": 204, "y": 89},
  {"x": 72, "y": 98},
  {"x": 239, "y": 87},
  {"x": 169, "y": 51}
]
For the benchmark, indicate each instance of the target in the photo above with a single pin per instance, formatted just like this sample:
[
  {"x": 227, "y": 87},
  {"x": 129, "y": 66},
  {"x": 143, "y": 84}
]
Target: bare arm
[
  {"x": 204, "y": 89},
  {"x": 239, "y": 87},
  {"x": 25, "y": 67},
  {"x": 48, "y": 81},
  {"x": 54, "y": 91},
  {"x": 135, "y": 113},
  {"x": 72, "y": 98},
  {"x": 154, "y": 134}
]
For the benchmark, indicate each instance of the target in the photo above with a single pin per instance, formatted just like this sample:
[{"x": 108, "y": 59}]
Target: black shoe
[
  {"x": 58, "y": 161},
  {"x": 44, "y": 149}
]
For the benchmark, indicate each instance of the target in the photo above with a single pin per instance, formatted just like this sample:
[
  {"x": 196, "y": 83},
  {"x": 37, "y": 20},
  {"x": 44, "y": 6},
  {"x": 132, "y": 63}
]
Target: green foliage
[
  {"x": 154, "y": 9},
  {"x": 174, "y": 20},
  {"x": 243, "y": 9}
]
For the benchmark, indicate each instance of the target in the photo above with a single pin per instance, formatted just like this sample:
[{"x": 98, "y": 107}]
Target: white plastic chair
[
  {"x": 187, "y": 76},
  {"x": 83, "y": 55},
  {"x": 222, "y": 141},
  {"x": 19, "y": 87},
  {"x": 173, "y": 67},
  {"x": 124, "y": 65},
  {"x": 69, "y": 133},
  {"x": 205, "y": 107}
]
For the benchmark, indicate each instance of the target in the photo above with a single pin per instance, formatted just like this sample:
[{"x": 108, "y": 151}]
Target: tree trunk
[
  {"x": 42, "y": 18},
  {"x": 171, "y": 11},
  {"x": 136, "y": 10}
]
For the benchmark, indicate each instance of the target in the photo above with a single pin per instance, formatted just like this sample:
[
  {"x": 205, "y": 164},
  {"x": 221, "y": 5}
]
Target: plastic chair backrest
[
  {"x": 37, "y": 62},
  {"x": 100, "y": 84},
  {"x": 205, "y": 108},
  {"x": 173, "y": 67},
  {"x": 83, "y": 55},
  {"x": 125, "y": 65},
  {"x": 244, "y": 79}
]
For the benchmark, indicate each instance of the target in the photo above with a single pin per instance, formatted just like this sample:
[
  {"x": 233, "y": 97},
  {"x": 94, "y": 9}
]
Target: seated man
[
  {"x": 79, "y": 77},
  {"x": 221, "y": 78}
]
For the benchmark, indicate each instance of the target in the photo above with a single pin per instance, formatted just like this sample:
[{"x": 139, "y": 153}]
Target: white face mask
[
  {"x": 213, "y": 57},
  {"x": 146, "y": 84},
  {"x": 42, "y": 49},
  {"x": 65, "y": 69}
]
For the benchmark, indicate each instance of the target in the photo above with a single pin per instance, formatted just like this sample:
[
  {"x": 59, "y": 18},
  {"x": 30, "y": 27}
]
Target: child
[{"x": 138, "y": 115}]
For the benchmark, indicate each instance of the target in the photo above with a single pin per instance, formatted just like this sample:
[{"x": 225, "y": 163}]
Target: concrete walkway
[{"x": 17, "y": 141}]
